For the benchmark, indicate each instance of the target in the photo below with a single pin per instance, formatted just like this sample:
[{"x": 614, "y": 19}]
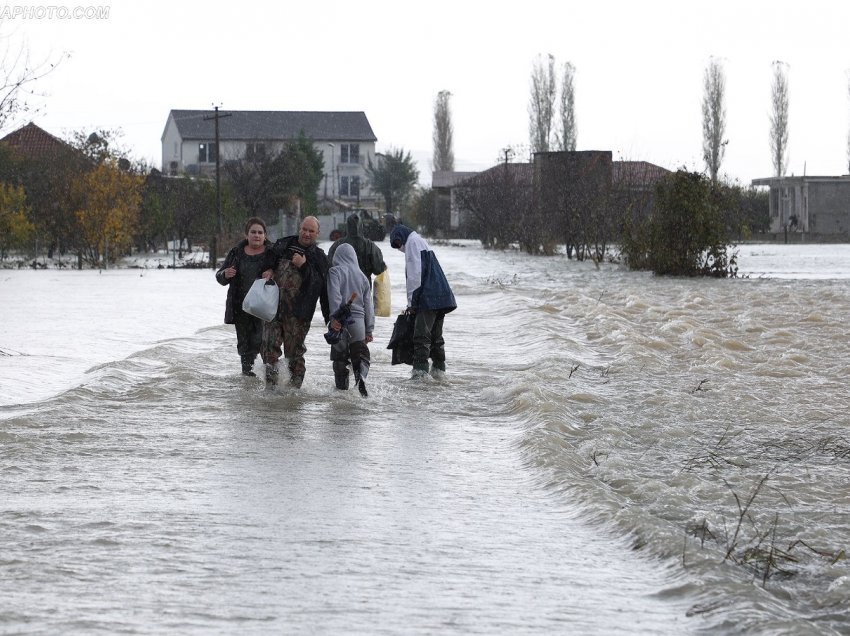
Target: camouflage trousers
[{"x": 284, "y": 337}]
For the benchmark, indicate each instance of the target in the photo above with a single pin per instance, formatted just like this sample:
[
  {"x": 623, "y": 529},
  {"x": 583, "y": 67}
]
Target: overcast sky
[{"x": 638, "y": 83}]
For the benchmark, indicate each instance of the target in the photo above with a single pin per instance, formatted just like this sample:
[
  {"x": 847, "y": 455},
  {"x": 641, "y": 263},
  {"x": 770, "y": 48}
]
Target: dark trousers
[
  {"x": 249, "y": 334},
  {"x": 428, "y": 340},
  {"x": 347, "y": 353}
]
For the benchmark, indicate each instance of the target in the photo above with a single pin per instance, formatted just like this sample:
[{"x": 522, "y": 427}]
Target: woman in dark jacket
[{"x": 242, "y": 266}]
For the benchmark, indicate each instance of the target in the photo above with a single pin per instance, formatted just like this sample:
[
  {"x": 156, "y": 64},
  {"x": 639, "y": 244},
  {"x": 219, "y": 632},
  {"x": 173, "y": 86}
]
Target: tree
[
  {"x": 444, "y": 158},
  {"x": 109, "y": 199},
  {"x": 569, "y": 132},
  {"x": 425, "y": 213},
  {"x": 713, "y": 118},
  {"x": 100, "y": 145},
  {"x": 541, "y": 106},
  {"x": 15, "y": 227},
  {"x": 266, "y": 183},
  {"x": 779, "y": 118},
  {"x": 499, "y": 206},
  {"x": 686, "y": 232},
  {"x": 17, "y": 74},
  {"x": 47, "y": 177},
  {"x": 303, "y": 166},
  {"x": 394, "y": 177},
  {"x": 572, "y": 191}
]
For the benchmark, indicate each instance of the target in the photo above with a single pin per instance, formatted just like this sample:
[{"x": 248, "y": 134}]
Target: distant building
[
  {"x": 443, "y": 183},
  {"x": 345, "y": 139},
  {"x": 625, "y": 180},
  {"x": 818, "y": 206}
]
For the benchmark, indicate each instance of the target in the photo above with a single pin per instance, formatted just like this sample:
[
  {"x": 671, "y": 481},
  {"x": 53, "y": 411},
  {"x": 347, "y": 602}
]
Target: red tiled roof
[{"x": 35, "y": 142}]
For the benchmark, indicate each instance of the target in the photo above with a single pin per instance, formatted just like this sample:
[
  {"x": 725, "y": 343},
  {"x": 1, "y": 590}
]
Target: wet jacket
[
  {"x": 314, "y": 274},
  {"x": 235, "y": 295},
  {"x": 427, "y": 286},
  {"x": 370, "y": 259}
]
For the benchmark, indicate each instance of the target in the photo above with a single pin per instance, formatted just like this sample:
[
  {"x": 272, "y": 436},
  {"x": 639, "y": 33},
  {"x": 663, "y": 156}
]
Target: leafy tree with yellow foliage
[
  {"x": 15, "y": 226},
  {"x": 107, "y": 200}
]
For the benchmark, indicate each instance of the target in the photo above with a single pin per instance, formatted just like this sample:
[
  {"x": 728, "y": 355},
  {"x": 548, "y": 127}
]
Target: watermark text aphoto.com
[{"x": 52, "y": 12}]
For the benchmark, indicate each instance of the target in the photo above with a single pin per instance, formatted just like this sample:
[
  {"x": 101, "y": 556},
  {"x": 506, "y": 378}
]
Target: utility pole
[{"x": 214, "y": 252}]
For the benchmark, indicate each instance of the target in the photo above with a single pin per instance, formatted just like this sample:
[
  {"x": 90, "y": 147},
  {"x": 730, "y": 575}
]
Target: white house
[{"x": 345, "y": 139}]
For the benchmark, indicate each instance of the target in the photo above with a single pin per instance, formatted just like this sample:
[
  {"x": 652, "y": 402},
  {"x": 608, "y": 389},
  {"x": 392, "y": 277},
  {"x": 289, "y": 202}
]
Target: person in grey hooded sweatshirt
[{"x": 344, "y": 280}]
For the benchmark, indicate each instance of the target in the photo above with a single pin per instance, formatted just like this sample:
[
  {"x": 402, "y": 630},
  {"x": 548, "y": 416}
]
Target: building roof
[
  {"x": 792, "y": 180},
  {"x": 279, "y": 125},
  {"x": 623, "y": 173},
  {"x": 521, "y": 172},
  {"x": 34, "y": 142},
  {"x": 636, "y": 173},
  {"x": 448, "y": 178}
]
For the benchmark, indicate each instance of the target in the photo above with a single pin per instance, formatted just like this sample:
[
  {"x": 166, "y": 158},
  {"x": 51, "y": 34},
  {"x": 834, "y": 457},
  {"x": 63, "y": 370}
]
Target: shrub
[{"x": 685, "y": 233}]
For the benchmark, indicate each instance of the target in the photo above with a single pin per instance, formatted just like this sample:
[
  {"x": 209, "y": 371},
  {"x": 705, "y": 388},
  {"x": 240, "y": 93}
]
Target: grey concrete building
[{"x": 817, "y": 206}]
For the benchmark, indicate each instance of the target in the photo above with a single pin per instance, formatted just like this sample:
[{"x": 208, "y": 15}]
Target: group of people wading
[{"x": 305, "y": 275}]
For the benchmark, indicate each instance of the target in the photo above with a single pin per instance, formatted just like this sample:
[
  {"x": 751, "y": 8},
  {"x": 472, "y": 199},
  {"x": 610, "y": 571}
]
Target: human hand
[
  {"x": 267, "y": 274},
  {"x": 369, "y": 338},
  {"x": 230, "y": 272},
  {"x": 298, "y": 260},
  {"x": 336, "y": 325}
]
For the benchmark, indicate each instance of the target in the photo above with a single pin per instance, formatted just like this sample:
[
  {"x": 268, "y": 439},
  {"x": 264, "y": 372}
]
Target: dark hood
[
  {"x": 353, "y": 226},
  {"x": 399, "y": 234}
]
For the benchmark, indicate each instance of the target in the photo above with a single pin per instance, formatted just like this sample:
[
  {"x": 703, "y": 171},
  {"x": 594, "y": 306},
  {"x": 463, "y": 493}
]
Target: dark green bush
[{"x": 684, "y": 234}]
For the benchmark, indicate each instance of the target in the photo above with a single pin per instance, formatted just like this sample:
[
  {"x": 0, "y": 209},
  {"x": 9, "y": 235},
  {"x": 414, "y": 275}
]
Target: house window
[
  {"x": 349, "y": 153},
  {"x": 349, "y": 186},
  {"x": 207, "y": 152},
  {"x": 255, "y": 151}
]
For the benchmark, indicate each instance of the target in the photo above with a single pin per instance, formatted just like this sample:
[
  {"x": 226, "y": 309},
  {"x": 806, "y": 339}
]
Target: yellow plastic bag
[{"x": 382, "y": 292}]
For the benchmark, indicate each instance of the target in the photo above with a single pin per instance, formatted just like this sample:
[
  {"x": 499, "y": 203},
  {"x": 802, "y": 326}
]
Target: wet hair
[{"x": 255, "y": 220}]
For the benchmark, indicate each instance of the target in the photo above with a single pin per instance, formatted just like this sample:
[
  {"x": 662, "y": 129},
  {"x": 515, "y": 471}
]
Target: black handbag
[{"x": 401, "y": 342}]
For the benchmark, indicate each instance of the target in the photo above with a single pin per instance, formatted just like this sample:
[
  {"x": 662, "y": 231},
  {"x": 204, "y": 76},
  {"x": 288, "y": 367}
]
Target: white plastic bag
[{"x": 261, "y": 300}]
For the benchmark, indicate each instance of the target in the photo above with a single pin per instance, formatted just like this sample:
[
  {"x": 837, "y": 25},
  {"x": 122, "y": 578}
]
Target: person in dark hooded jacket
[
  {"x": 370, "y": 259},
  {"x": 429, "y": 297},
  {"x": 241, "y": 267}
]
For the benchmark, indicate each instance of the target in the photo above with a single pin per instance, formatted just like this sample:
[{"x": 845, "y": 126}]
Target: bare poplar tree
[
  {"x": 779, "y": 118},
  {"x": 444, "y": 157},
  {"x": 714, "y": 118},
  {"x": 541, "y": 106},
  {"x": 569, "y": 132}
]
